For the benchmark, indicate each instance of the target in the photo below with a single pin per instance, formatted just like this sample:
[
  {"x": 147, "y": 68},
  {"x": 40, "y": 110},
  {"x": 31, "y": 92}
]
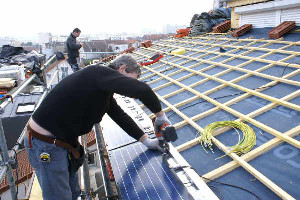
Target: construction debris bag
[
  {"x": 59, "y": 56},
  {"x": 8, "y": 51},
  {"x": 200, "y": 26},
  {"x": 220, "y": 13},
  {"x": 32, "y": 60},
  {"x": 202, "y": 23},
  {"x": 196, "y": 16}
]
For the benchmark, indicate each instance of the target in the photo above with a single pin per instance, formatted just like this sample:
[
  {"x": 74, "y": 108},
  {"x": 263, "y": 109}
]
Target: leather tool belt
[{"x": 50, "y": 140}]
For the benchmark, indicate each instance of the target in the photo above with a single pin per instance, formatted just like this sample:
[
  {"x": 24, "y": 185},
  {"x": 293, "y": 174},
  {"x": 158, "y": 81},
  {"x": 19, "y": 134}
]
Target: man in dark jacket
[
  {"x": 73, "y": 49},
  {"x": 71, "y": 109}
]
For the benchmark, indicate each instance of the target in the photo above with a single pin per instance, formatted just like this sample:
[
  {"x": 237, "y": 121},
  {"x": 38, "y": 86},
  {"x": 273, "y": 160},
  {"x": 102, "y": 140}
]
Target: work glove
[
  {"x": 160, "y": 121},
  {"x": 152, "y": 144}
]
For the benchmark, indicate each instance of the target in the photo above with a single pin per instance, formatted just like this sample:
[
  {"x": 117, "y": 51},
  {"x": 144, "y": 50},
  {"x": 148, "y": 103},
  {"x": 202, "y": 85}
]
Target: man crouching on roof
[{"x": 71, "y": 109}]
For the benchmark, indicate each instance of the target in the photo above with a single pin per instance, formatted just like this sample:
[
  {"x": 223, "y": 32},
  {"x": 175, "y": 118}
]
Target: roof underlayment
[{"x": 256, "y": 81}]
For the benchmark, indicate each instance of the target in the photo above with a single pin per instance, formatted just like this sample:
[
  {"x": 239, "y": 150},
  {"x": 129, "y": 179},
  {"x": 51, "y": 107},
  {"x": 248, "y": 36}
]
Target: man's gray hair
[{"x": 131, "y": 65}]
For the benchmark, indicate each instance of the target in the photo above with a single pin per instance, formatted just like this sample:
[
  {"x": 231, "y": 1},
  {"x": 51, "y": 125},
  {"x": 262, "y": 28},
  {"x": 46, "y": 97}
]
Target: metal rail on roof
[{"x": 169, "y": 61}]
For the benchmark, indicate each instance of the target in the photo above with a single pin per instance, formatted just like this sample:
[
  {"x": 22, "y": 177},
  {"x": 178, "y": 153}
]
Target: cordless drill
[{"x": 165, "y": 134}]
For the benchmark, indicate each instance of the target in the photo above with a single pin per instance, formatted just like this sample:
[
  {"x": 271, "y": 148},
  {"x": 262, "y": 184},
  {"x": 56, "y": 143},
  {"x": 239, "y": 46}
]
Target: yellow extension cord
[{"x": 243, "y": 146}]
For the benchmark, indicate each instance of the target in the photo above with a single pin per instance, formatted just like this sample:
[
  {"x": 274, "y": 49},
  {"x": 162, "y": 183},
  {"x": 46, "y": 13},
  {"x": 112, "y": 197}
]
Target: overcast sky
[{"x": 27, "y": 18}]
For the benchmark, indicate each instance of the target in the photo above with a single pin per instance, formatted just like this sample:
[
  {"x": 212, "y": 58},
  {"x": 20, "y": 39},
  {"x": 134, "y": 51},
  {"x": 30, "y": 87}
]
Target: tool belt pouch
[{"x": 75, "y": 164}]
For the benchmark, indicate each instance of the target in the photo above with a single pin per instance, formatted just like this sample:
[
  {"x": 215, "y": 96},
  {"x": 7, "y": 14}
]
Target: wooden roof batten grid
[
  {"x": 249, "y": 71},
  {"x": 204, "y": 69},
  {"x": 266, "y": 97},
  {"x": 271, "y": 65},
  {"x": 191, "y": 86},
  {"x": 221, "y": 73},
  {"x": 187, "y": 76},
  {"x": 248, "y": 48},
  {"x": 272, "y": 186},
  {"x": 238, "y": 161},
  {"x": 145, "y": 77},
  {"x": 221, "y": 86},
  {"x": 296, "y": 143},
  {"x": 243, "y": 64},
  {"x": 234, "y": 112},
  {"x": 178, "y": 71},
  {"x": 245, "y": 165}
]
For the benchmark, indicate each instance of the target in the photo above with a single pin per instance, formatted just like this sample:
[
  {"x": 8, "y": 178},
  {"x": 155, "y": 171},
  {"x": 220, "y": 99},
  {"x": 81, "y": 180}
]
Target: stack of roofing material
[
  {"x": 281, "y": 29},
  {"x": 7, "y": 83},
  {"x": 90, "y": 138},
  {"x": 241, "y": 30},
  {"x": 108, "y": 58},
  {"x": 16, "y": 72},
  {"x": 223, "y": 27},
  {"x": 129, "y": 50},
  {"x": 146, "y": 44},
  {"x": 182, "y": 32}
]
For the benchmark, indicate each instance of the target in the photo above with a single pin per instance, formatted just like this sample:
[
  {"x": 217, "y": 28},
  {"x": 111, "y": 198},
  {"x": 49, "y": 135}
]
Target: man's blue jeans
[{"x": 54, "y": 178}]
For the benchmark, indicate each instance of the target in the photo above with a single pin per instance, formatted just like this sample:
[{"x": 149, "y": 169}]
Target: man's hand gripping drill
[{"x": 164, "y": 132}]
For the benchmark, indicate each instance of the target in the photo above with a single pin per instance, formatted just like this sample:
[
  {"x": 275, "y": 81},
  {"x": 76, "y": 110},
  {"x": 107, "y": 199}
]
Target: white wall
[
  {"x": 118, "y": 48},
  {"x": 269, "y": 14}
]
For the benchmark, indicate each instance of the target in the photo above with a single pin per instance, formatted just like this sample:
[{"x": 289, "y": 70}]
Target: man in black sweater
[
  {"x": 72, "y": 108},
  {"x": 73, "y": 49}
]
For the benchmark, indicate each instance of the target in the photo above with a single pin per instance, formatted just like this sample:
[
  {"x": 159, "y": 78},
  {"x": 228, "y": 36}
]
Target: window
[{"x": 91, "y": 159}]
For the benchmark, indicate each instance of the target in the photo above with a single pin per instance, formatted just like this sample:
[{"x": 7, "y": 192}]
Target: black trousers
[{"x": 73, "y": 63}]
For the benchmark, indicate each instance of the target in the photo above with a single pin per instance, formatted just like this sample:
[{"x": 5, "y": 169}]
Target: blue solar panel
[{"x": 139, "y": 172}]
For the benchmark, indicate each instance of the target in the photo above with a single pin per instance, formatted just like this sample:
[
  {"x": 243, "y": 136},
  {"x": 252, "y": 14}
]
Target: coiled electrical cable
[{"x": 243, "y": 146}]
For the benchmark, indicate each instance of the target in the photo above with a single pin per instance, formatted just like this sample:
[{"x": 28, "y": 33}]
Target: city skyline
[
  {"x": 169, "y": 29},
  {"x": 93, "y": 17}
]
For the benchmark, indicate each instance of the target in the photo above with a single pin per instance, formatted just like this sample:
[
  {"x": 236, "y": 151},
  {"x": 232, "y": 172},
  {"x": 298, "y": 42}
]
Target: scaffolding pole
[
  {"x": 7, "y": 163},
  {"x": 85, "y": 172}
]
